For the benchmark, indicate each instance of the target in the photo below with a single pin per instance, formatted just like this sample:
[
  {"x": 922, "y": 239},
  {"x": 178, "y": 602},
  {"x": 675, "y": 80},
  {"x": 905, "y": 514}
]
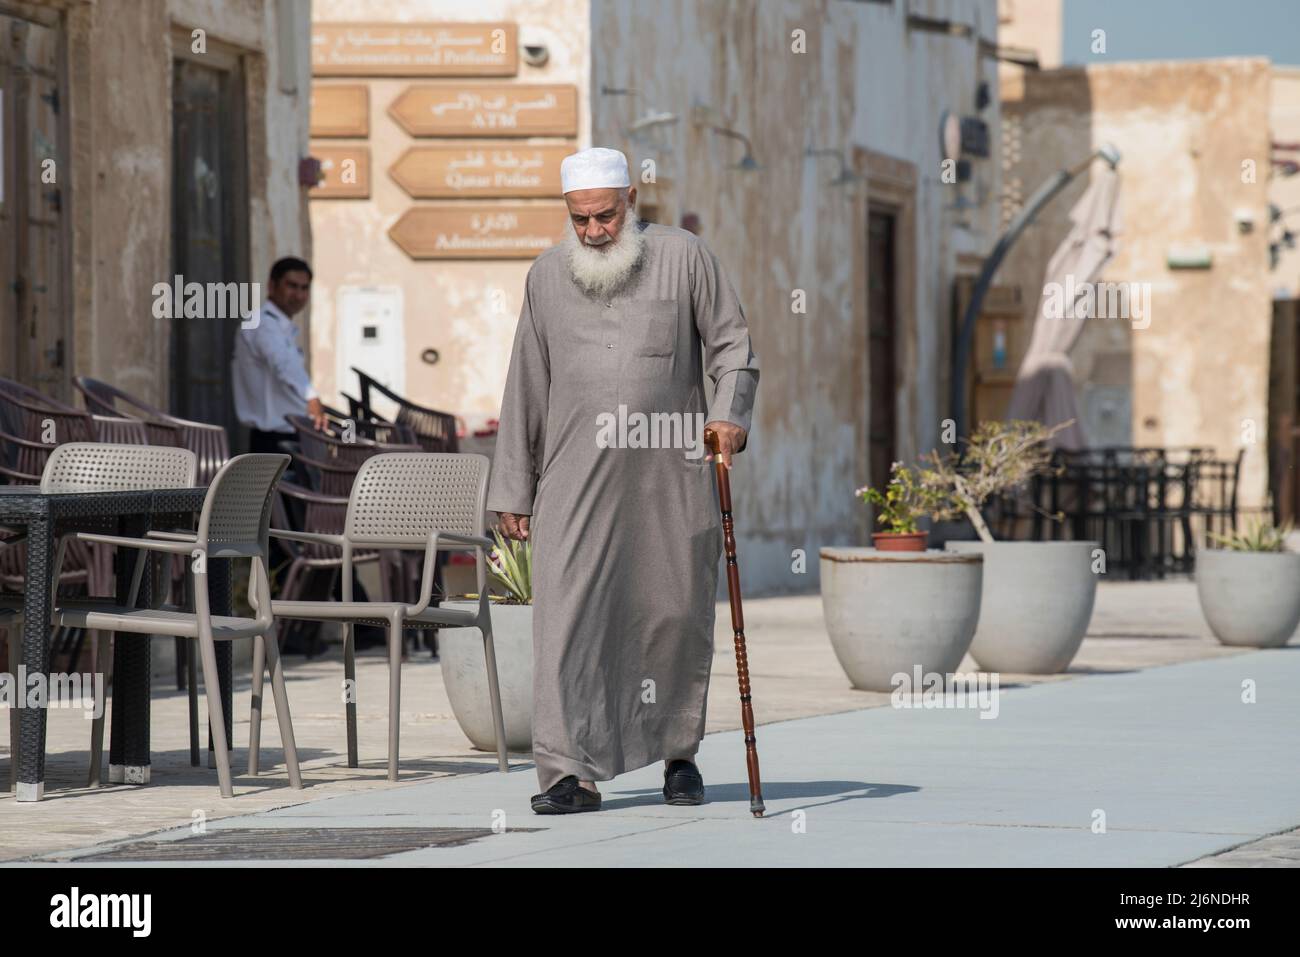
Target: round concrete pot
[
  {"x": 889, "y": 612},
  {"x": 1249, "y": 598},
  {"x": 1037, "y": 603},
  {"x": 464, "y": 672}
]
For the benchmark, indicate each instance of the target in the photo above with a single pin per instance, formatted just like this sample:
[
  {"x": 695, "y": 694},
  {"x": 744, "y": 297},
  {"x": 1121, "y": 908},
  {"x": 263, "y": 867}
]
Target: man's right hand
[
  {"x": 316, "y": 410},
  {"x": 514, "y": 526}
]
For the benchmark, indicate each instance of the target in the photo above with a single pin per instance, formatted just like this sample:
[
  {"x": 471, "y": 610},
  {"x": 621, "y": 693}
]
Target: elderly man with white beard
[{"x": 626, "y": 540}]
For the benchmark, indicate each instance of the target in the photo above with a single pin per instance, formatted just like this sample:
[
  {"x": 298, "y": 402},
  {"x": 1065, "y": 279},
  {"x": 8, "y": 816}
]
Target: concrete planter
[
  {"x": 1249, "y": 598},
  {"x": 1037, "y": 603},
  {"x": 464, "y": 672},
  {"x": 889, "y": 612}
]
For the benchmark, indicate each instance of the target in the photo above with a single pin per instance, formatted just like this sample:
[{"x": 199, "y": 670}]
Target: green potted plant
[
  {"x": 1038, "y": 596},
  {"x": 1249, "y": 586},
  {"x": 464, "y": 672},
  {"x": 903, "y": 501}
]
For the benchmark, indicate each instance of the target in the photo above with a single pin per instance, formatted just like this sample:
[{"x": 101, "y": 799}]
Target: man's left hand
[{"x": 730, "y": 439}]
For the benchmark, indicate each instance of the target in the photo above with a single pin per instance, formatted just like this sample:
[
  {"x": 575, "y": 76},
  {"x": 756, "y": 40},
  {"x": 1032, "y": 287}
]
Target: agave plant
[
  {"x": 511, "y": 566},
  {"x": 1261, "y": 536}
]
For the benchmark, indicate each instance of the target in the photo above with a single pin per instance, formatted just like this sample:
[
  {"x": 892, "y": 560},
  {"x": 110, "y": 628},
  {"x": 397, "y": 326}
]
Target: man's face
[
  {"x": 290, "y": 292},
  {"x": 597, "y": 214}
]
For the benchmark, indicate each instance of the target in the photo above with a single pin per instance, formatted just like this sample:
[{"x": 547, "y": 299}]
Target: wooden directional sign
[
  {"x": 414, "y": 49},
  {"x": 472, "y": 170},
  {"x": 479, "y": 230},
  {"x": 495, "y": 109},
  {"x": 346, "y": 170},
  {"x": 340, "y": 109}
]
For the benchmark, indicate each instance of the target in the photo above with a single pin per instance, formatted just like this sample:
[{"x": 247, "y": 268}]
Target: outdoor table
[{"x": 47, "y": 516}]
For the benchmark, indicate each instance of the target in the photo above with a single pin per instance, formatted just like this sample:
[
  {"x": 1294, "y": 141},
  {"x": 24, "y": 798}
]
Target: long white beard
[{"x": 603, "y": 271}]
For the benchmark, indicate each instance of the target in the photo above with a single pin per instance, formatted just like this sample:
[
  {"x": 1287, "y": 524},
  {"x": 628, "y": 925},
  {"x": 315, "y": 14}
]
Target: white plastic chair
[
  {"x": 233, "y": 524},
  {"x": 403, "y": 500}
]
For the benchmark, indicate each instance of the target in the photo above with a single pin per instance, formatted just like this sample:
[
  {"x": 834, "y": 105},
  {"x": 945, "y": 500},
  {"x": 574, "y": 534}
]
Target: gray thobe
[{"x": 626, "y": 541}]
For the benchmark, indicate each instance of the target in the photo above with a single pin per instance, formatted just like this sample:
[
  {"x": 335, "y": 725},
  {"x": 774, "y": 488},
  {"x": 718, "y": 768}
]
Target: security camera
[
  {"x": 535, "y": 54},
  {"x": 1245, "y": 219}
]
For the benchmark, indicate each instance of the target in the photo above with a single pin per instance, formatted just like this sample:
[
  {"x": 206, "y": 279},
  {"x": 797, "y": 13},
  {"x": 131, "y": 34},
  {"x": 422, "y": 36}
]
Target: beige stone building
[
  {"x": 1194, "y": 137},
  {"x": 802, "y": 141},
  {"x": 144, "y": 139},
  {"x": 1214, "y": 364}
]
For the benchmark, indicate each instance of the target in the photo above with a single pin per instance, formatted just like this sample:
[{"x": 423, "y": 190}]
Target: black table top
[{"x": 24, "y": 501}]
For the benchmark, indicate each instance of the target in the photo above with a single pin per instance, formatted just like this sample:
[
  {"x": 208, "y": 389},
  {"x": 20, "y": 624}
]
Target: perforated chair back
[
  {"x": 237, "y": 511},
  {"x": 400, "y": 497},
  {"x": 122, "y": 430},
  {"x": 95, "y": 467}
]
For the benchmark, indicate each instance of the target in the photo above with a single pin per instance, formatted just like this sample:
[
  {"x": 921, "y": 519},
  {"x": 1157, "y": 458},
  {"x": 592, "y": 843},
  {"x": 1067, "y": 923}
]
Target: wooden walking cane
[{"x": 737, "y": 624}]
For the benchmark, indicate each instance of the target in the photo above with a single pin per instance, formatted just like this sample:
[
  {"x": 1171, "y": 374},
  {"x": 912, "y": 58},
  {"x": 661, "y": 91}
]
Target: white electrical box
[{"x": 371, "y": 336}]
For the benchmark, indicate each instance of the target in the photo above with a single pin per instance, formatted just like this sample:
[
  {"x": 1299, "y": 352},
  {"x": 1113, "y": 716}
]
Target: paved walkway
[{"x": 1180, "y": 767}]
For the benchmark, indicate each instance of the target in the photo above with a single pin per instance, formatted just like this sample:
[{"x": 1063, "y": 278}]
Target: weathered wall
[
  {"x": 1284, "y": 191},
  {"x": 120, "y": 78},
  {"x": 464, "y": 309},
  {"x": 1198, "y": 374},
  {"x": 866, "y": 82}
]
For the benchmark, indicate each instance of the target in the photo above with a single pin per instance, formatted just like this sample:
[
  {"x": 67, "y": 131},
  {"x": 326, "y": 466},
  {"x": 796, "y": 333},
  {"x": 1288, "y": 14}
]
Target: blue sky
[{"x": 1182, "y": 29}]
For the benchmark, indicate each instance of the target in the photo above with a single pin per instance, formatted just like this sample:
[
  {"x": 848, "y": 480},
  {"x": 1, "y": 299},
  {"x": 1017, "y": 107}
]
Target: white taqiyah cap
[{"x": 596, "y": 168}]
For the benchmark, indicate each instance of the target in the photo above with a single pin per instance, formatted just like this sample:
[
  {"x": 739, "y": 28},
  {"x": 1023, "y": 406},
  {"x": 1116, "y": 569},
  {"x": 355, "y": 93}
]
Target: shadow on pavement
[{"x": 837, "y": 791}]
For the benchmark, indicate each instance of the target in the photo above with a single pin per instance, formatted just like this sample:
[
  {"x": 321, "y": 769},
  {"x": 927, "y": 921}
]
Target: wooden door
[
  {"x": 34, "y": 300},
  {"x": 209, "y": 228},
  {"x": 882, "y": 345}
]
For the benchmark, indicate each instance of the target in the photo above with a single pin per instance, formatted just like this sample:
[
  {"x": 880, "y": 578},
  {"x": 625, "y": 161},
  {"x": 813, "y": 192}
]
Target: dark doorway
[
  {"x": 209, "y": 227},
  {"x": 882, "y": 344},
  {"x": 35, "y": 332}
]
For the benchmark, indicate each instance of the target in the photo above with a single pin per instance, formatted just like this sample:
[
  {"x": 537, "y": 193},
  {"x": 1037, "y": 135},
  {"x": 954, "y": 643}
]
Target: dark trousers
[{"x": 259, "y": 441}]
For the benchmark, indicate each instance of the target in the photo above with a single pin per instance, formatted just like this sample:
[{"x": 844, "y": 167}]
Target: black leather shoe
[
  {"x": 566, "y": 796},
  {"x": 683, "y": 783}
]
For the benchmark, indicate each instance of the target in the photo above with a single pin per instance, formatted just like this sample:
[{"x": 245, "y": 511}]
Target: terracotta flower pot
[{"x": 899, "y": 541}]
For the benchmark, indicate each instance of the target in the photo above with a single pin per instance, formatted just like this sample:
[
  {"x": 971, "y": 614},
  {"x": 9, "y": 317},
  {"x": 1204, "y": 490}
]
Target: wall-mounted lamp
[
  {"x": 652, "y": 119},
  {"x": 845, "y": 175},
  {"x": 747, "y": 162}
]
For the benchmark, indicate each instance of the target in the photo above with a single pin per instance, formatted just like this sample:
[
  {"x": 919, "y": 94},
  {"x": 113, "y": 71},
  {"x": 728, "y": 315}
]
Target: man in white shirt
[{"x": 269, "y": 370}]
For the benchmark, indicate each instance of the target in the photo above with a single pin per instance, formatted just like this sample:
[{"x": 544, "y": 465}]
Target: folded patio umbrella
[{"x": 1044, "y": 388}]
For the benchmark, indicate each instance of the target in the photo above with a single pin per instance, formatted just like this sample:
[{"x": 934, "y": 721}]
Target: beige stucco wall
[
  {"x": 466, "y": 310},
  {"x": 1033, "y": 25},
  {"x": 1198, "y": 375},
  {"x": 120, "y": 73},
  {"x": 865, "y": 82}
]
